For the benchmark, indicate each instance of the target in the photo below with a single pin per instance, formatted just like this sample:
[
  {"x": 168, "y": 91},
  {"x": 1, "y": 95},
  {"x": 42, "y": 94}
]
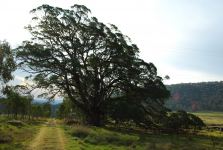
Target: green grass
[
  {"x": 211, "y": 118},
  {"x": 104, "y": 139},
  {"x": 14, "y": 137},
  {"x": 92, "y": 138}
]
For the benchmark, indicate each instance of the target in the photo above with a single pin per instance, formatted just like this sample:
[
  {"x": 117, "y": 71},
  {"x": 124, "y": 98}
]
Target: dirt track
[{"x": 50, "y": 137}]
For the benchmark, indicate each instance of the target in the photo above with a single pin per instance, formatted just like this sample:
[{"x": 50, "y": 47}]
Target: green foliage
[
  {"x": 143, "y": 106},
  {"x": 46, "y": 109},
  {"x": 7, "y": 63},
  {"x": 65, "y": 109},
  {"x": 70, "y": 112},
  {"x": 196, "y": 122},
  {"x": 183, "y": 120},
  {"x": 41, "y": 110},
  {"x": 16, "y": 104},
  {"x": 121, "y": 110},
  {"x": 205, "y": 96},
  {"x": 73, "y": 54}
]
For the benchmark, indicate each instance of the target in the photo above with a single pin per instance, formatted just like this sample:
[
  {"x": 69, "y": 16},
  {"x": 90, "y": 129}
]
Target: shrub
[
  {"x": 196, "y": 122},
  {"x": 183, "y": 120}
]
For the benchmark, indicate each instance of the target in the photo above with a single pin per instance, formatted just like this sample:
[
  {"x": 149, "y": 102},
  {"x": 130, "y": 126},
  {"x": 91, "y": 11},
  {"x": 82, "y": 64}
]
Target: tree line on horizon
[
  {"x": 204, "y": 96},
  {"x": 19, "y": 106},
  {"x": 95, "y": 68}
]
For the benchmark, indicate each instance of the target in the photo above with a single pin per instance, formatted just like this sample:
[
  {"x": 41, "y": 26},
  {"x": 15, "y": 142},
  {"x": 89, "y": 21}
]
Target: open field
[{"x": 211, "y": 118}]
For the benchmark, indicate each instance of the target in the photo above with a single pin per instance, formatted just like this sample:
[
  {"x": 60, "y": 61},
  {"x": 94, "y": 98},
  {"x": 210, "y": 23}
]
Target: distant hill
[{"x": 205, "y": 96}]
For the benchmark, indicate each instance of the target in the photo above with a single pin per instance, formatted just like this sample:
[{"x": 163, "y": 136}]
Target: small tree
[
  {"x": 47, "y": 109},
  {"x": 37, "y": 111},
  {"x": 16, "y": 103},
  {"x": 197, "y": 123},
  {"x": 7, "y": 63},
  {"x": 65, "y": 109}
]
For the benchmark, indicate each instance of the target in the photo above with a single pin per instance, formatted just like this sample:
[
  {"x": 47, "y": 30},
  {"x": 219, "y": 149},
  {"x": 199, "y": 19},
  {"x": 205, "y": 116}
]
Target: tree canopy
[
  {"x": 73, "y": 54},
  {"x": 7, "y": 63}
]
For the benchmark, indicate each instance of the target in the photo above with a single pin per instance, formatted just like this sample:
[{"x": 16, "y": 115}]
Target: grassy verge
[
  {"x": 81, "y": 137},
  {"x": 16, "y": 136},
  {"x": 84, "y": 138}
]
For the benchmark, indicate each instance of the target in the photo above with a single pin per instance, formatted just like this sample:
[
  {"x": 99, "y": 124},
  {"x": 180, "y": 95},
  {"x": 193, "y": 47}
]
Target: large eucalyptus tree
[{"x": 73, "y": 54}]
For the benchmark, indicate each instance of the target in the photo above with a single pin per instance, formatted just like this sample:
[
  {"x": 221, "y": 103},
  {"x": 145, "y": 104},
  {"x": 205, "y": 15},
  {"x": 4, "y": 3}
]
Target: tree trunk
[
  {"x": 95, "y": 118},
  {"x": 93, "y": 114}
]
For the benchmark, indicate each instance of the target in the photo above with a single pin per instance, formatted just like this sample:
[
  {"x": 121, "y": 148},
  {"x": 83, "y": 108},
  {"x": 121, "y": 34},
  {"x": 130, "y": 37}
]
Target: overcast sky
[{"x": 183, "y": 38}]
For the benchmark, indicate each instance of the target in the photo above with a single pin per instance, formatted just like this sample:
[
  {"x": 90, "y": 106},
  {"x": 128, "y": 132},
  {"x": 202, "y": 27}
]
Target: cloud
[{"x": 188, "y": 76}]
